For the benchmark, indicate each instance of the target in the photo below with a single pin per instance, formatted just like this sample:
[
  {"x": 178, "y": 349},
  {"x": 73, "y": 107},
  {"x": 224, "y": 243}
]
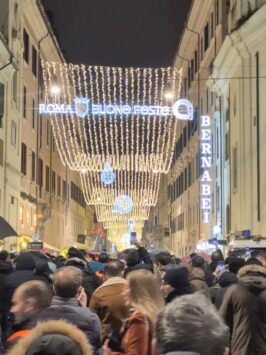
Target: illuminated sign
[
  {"x": 206, "y": 161},
  {"x": 182, "y": 109},
  {"x": 107, "y": 175},
  {"x": 123, "y": 204}
]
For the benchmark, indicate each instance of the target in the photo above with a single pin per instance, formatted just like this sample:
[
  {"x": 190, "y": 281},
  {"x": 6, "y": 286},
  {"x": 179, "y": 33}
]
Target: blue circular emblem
[
  {"x": 123, "y": 204},
  {"x": 107, "y": 175}
]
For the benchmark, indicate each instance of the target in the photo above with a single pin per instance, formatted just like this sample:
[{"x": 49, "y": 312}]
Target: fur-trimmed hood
[
  {"x": 45, "y": 333},
  {"x": 253, "y": 277}
]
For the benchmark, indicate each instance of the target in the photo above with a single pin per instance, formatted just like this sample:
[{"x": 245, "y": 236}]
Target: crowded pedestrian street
[{"x": 132, "y": 177}]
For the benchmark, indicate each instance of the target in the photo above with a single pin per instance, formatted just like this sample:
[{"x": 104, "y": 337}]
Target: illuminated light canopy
[
  {"x": 123, "y": 204},
  {"x": 142, "y": 187},
  {"x": 119, "y": 115},
  {"x": 107, "y": 175}
]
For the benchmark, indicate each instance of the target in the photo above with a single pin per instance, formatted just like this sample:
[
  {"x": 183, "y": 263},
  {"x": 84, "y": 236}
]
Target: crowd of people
[{"x": 88, "y": 304}]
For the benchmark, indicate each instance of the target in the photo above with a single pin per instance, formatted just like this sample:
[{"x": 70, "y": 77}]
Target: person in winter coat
[
  {"x": 175, "y": 283},
  {"x": 197, "y": 279},
  {"x": 138, "y": 259},
  {"x": 29, "y": 299},
  {"x": 53, "y": 338},
  {"x": 244, "y": 311},
  {"x": 90, "y": 282},
  {"x": 108, "y": 301},
  {"x": 225, "y": 280},
  {"x": 24, "y": 271},
  {"x": 70, "y": 304},
  {"x": 5, "y": 269},
  {"x": 142, "y": 294}
]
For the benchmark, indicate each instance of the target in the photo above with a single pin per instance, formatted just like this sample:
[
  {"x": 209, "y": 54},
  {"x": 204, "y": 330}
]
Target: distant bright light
[
  {"x": 55, "y": 90},
  {"x": 123, "y": 204},
  {"x": 84, "y": 170},
  {"x": 169, "y": 95}
]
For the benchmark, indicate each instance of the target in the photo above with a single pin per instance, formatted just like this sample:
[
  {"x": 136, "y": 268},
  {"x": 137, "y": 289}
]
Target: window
[
  {"x": 48, "y": 133},
  {"x": 196, "y": 61},
  {"x": 24, "y": 159},
  {"x": 207, "y": 100},
  {"x": 40, "y": 131},
  {"x": 235, "y": 168},
  {"x": 64, "y": 190},
  {"x": 13, "y": 133},
  {"x": 40, "y": 172},
  {"x": 212, "y": 24},
  {"x": 201, "y": 48},
  {"x": 192, "y": 69},
  {"x": 26, "y": 46},
  {"x": 33, "y": 159},
  {"x": 1, "y": 152},
  {"x": 34, "y": 61},
  {"x": 189, "y": 77},
  {"x": 2, "y": 103},
  {"x": 58, "y": 186},
  {"x": 206, "y": 37},
  {"x": 53, "y": 182},
  {"x": 24, "y": 101},
  {"x": 33, "y": 114},
  {"x": 15, "y": 87},
  {"x": 47, "y": 179},
  {"x": 217, "y": 13}
]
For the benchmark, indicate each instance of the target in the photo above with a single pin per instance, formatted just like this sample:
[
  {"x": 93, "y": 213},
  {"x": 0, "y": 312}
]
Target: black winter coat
[
  {"x": 71, "y": 311},
  {"x": 5, "y": 269},
  {"x": 244, "y": 311},
  {"x": 17, "y": 278}
]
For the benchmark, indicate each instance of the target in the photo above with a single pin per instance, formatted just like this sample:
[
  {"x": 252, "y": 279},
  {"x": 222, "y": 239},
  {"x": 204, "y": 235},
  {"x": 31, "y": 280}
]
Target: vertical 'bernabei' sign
[{"x": 206, "y": 162}]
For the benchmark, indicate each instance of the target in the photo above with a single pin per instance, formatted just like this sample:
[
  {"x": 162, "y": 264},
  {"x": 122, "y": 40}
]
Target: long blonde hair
[{"x": 145, "y": 294}]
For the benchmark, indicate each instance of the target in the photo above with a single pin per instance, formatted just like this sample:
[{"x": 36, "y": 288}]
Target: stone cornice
[{"x": 238, "y": 46}]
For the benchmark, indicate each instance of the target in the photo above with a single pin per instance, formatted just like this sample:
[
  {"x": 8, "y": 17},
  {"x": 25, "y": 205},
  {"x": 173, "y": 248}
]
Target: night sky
[{"x": 136, "y": 33}]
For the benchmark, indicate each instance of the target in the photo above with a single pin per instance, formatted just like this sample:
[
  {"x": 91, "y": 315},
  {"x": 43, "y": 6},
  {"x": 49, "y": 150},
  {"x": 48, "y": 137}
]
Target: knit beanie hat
[{"x": 176, "y": 277}]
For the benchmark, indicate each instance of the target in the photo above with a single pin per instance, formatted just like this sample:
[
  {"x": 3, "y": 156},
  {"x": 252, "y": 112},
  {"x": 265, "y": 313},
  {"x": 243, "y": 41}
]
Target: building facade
[
  {"x": 239, "y": 81},
  {"x": 10, "y": 111},
  {"x": 46, "y": 201},
  {"x": 194, "y": 181}
]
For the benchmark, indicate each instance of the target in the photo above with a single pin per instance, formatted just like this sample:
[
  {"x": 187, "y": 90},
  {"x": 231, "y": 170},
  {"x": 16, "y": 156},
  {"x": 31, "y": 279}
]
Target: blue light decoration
[
  {"x": 123, "y": 204},
  {"x": 107, "y": 175}
]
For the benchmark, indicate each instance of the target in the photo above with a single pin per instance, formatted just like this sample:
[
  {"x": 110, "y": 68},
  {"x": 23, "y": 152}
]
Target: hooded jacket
[
  {"x": 197, "y": 281},
  {"x": 244, "y": 311},
  {"x": 53, "y": 337}
]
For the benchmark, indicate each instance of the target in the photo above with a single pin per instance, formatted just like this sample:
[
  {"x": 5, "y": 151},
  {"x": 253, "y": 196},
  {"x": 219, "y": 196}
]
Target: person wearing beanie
[
  {"x": 226, "y": 280},
  {"x": 197, "y": 277},
  {"x": 90, "y": 282},
  {"x": 175, "y": 283},
  {"x": 235, "y": 264},
  {"x": 24, "y": 271}
]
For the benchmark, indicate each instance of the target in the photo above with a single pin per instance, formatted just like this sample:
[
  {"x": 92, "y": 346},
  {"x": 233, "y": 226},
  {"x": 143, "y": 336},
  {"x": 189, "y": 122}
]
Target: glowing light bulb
[
  {"x": 169, "y": 95},
  {"x": 55, "y": 89}
]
